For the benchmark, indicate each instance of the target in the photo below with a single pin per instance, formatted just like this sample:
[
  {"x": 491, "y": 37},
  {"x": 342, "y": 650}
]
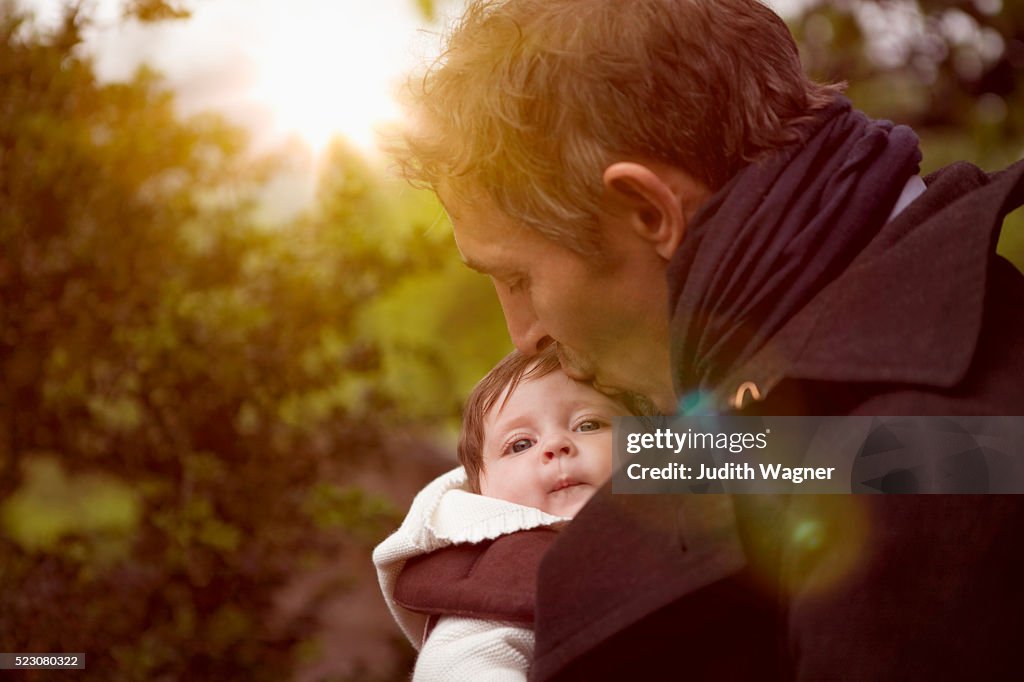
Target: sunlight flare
[{"x": 321, "y": 73}]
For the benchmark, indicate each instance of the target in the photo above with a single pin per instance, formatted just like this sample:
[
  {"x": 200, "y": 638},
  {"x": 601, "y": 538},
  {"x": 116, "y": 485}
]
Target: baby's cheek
[{"x": 503, "y": 484}]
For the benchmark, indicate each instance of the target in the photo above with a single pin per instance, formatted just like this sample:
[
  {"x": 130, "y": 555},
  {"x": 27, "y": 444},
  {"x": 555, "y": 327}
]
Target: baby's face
[{"x": 550, "y": 447}]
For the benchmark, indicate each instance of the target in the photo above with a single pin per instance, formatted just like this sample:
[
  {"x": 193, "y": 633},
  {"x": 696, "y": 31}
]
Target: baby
[{"x": 459, "y": 575}]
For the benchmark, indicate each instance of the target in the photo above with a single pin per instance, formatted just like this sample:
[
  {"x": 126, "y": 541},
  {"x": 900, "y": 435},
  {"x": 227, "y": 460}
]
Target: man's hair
[{"x": 532, "y": 99}]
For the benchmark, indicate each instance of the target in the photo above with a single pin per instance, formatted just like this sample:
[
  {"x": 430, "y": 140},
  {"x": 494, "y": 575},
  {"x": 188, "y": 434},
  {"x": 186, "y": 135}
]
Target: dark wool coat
[{"x": 928, "y": 320}]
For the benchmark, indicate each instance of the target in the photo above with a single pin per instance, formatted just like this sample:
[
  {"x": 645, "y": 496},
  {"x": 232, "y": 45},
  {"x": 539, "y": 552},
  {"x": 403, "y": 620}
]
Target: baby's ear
[{"x": 655, "y": 200}]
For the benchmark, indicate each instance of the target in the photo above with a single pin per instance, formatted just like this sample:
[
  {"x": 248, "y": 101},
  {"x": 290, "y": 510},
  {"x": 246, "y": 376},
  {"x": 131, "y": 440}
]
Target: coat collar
[{"x": 909, "y": 308}]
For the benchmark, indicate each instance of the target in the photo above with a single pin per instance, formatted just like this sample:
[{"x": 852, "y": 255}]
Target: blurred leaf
[
  {"x": 1011, "y": 241},
  {"x": 427, "y": 9},
  {"x": 350, "y": 508},
  {"x": 156, "y": 10},
  {"x": 50, "y": 505}
]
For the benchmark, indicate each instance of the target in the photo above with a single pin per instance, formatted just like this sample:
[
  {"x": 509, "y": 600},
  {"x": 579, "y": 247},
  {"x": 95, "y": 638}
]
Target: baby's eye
[
  {"x": 590, "y": 425},
  {"x": 518, "y": 445}
]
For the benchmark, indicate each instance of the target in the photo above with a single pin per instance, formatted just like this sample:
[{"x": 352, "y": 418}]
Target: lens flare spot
[
  {"x": 697, "y": 404},
  {"x": 826, "y": 543},
  {"x": 808, "y": 535}
]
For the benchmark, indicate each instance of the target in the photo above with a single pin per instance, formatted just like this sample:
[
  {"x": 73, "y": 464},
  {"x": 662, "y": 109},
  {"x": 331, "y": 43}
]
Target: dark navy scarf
[{"x": 777, "y": 233}]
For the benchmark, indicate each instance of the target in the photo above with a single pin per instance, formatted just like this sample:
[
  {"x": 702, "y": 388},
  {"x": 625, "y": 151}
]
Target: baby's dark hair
[{"x": 512, "y": 370}]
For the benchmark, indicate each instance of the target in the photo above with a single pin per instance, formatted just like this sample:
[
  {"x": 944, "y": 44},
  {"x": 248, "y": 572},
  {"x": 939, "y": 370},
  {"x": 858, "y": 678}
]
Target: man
[{"x": 656, "y": 188}]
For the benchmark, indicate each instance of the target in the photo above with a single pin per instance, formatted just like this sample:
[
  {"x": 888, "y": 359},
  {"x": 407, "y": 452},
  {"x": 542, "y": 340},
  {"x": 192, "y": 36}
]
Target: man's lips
[
  {"x": 574, "y": 365},
  {"x": 591, "y": 378}
]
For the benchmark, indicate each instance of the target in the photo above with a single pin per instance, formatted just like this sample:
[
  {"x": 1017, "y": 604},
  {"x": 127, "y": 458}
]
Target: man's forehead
[
  {"x": 469, "y": 211},
  {"x": 484, "y": 236},
  {"x": 456, "y": 217},
  {"x": 457, "y": 203}
]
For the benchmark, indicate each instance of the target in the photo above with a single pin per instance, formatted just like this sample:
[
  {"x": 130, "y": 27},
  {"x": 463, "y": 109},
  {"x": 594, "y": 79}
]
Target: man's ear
[{"x": 656, "y": 200}]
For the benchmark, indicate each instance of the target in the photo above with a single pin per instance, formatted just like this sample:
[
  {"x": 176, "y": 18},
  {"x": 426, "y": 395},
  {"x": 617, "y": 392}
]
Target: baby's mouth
[{"x": 565, "y": 483}]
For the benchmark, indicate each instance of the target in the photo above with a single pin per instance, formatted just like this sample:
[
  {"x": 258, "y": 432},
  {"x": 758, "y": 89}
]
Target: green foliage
[
  {"x": 187, "y": 394},
  {"x": 346, "y": 507},
  {"x": 102, "y": 512}
]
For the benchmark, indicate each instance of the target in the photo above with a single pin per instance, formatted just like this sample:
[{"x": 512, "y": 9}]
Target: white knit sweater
[{"x": 445, "y": 513}]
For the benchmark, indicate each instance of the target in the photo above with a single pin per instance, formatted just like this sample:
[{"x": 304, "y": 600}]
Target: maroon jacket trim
[{"x": 493, "y": 580}]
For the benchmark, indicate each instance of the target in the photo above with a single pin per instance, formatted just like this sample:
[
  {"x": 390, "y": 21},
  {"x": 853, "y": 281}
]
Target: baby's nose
[{"x": 558, "y": 447}]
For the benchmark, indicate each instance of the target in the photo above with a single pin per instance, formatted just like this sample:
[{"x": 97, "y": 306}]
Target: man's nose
[{"x": 527, "y": 333}]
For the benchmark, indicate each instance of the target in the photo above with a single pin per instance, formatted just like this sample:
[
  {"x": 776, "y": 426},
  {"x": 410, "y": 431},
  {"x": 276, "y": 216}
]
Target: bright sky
[
  {"x": 310, "y": 69},
  {"x": 287, "y": 70},
  {"x": 306, "y": 68}
]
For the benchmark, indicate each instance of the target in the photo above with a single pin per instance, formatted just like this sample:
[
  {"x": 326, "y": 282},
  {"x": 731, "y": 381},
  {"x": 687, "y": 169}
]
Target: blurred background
[{"x": 232, "y": 347}]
